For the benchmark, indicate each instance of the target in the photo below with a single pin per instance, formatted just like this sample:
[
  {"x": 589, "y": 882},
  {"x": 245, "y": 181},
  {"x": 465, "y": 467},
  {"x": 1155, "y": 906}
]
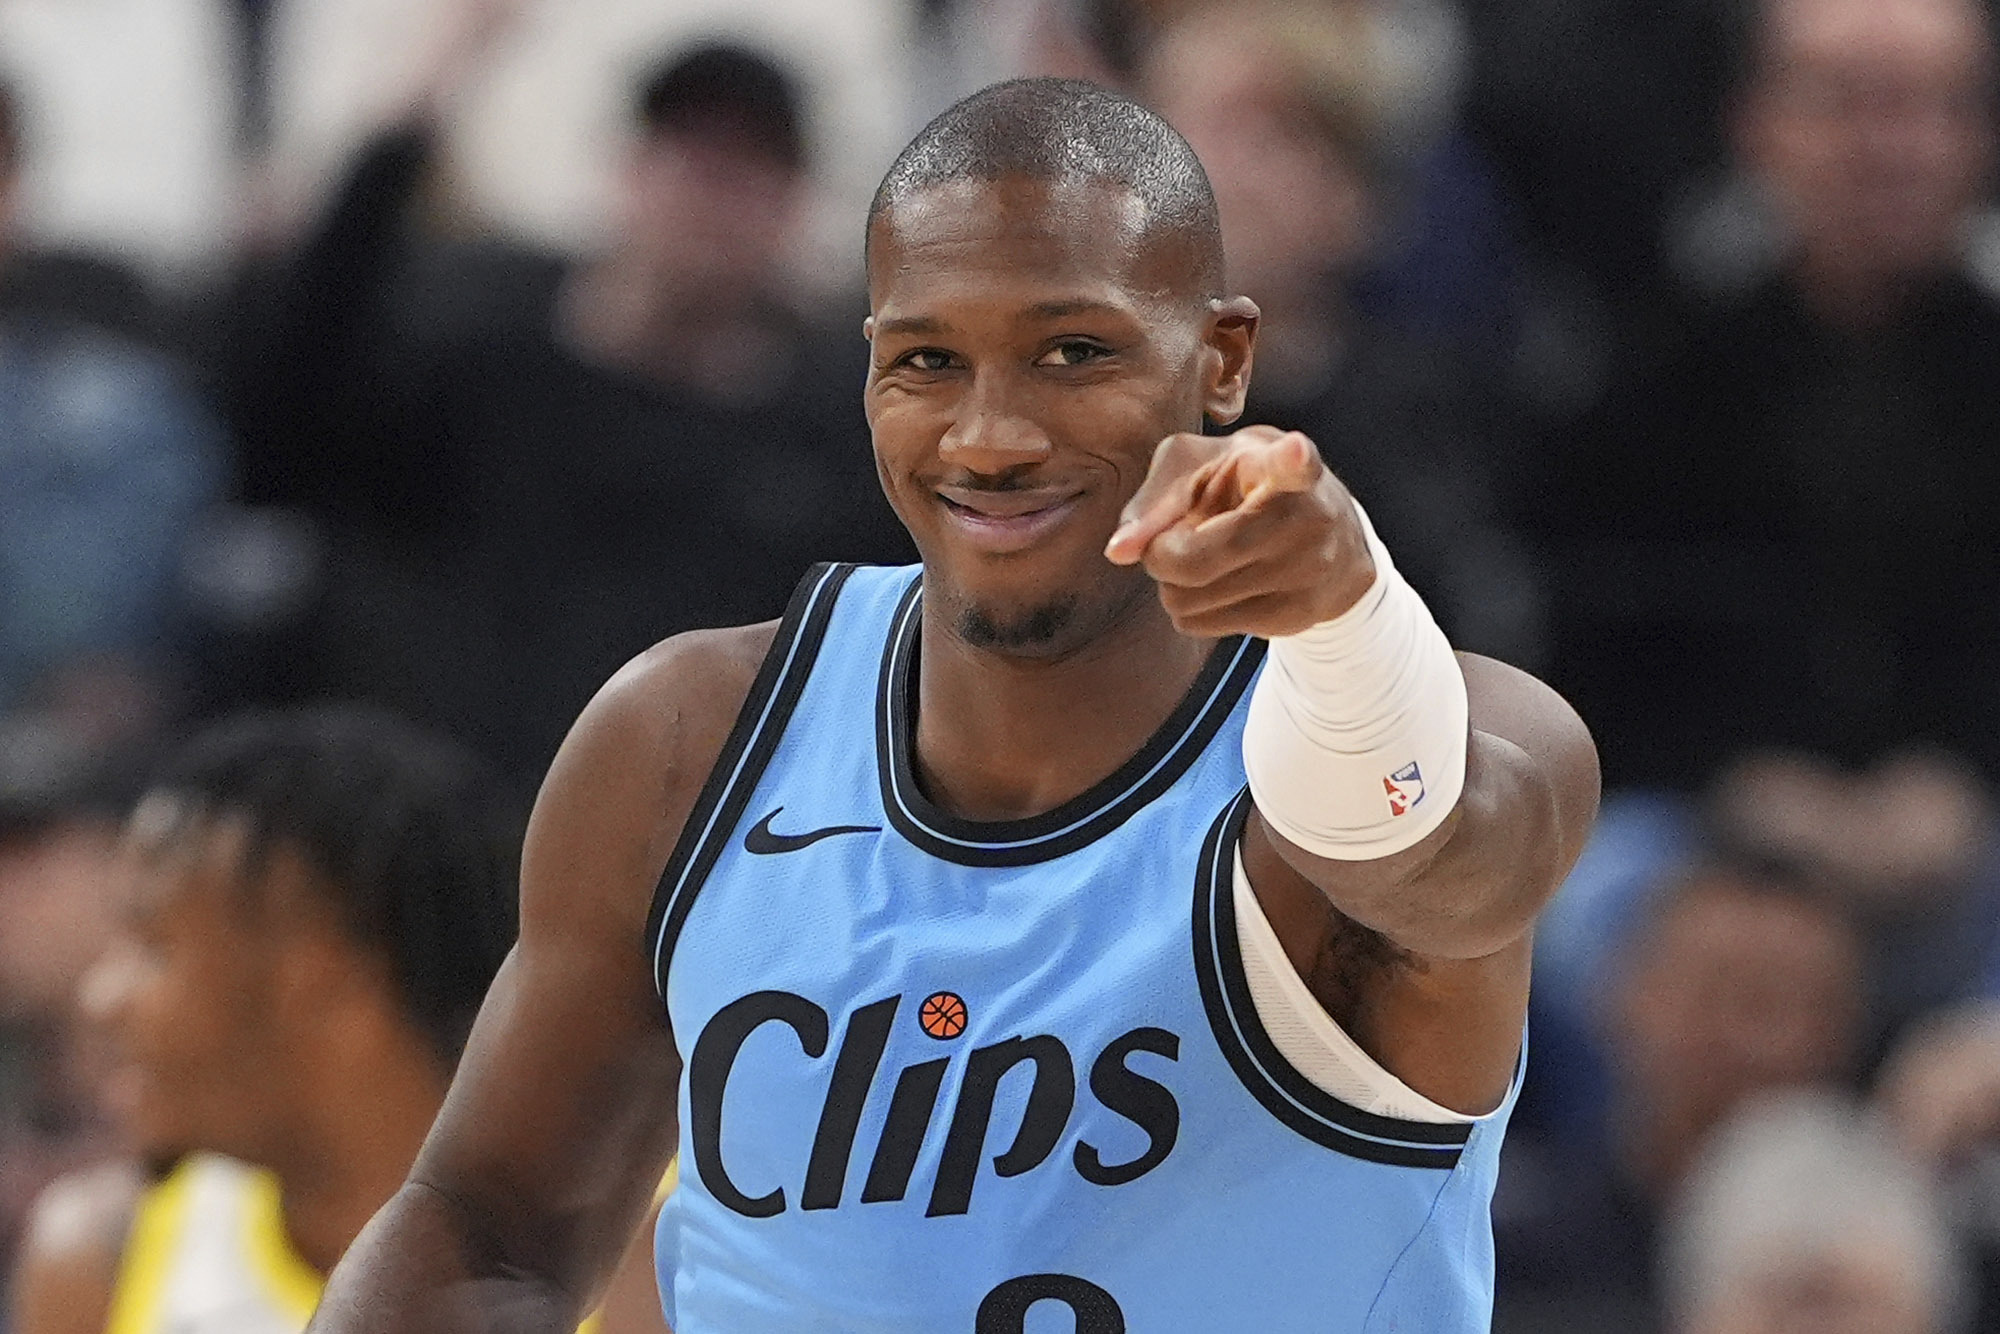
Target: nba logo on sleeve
[{"x": 1405, "y": 788}]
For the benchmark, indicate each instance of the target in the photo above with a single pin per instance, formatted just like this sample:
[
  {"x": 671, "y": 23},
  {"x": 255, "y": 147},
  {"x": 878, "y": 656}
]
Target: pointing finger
[{"x": 1173, "y": 480}]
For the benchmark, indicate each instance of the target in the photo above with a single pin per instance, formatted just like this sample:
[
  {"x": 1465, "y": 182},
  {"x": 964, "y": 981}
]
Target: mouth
[{"x": 1007, "y": 521}]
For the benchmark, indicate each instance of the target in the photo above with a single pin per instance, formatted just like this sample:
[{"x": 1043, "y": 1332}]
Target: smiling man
[{"x": 1122, "y": 920}]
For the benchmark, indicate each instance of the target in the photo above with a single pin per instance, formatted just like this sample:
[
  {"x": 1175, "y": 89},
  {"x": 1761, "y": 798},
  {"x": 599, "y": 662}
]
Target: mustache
[{"x": 1023, "y": 478}]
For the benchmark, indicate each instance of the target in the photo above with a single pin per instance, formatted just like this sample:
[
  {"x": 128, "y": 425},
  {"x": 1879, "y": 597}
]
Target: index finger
[{"x": 1166, "y": 496}]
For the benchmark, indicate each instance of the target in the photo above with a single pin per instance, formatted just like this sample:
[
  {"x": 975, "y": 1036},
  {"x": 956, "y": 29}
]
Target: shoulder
[
  {"x": 668, "y": 711},
  {"x": 630, "y": 770},
  {"x": 66, "y": 1274}
]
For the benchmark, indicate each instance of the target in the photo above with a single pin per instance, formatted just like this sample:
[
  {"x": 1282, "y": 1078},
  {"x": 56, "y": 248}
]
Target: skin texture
[{"x": 1033, "y": 347}]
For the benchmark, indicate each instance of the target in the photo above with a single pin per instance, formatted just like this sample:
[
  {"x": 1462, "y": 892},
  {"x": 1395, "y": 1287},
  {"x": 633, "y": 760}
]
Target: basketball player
[
  {"x": 1121, "y": 922},
  {"x": 318, "y": 900}
]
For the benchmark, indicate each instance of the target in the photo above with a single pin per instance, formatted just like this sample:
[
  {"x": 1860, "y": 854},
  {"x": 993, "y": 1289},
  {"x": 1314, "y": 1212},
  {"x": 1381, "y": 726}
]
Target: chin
[
  {"x": 1049, "y": 622},
  {"x": 1029, "y": 629}
]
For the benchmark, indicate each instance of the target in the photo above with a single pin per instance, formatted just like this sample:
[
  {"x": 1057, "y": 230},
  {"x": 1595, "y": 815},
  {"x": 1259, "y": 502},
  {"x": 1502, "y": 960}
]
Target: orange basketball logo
[{"x": 942, "y": 1015}]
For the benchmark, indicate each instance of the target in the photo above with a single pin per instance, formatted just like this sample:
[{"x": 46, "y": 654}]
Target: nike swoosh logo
[{"x": 763, "y": 842}]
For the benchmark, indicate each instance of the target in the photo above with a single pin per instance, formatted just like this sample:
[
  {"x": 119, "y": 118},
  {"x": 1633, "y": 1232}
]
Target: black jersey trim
[
  {"x": 1264, "y": 1071},
  {"x": 760, "y": 724},
  {"x": 1159, "y": 764}
]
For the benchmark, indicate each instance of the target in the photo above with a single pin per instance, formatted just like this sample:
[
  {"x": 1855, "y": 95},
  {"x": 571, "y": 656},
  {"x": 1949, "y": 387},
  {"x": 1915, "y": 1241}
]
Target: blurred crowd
[{"x": 440, "y": 355}]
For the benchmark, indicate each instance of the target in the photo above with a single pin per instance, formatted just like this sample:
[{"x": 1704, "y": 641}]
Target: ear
[{"x": 1230, "y": 341}]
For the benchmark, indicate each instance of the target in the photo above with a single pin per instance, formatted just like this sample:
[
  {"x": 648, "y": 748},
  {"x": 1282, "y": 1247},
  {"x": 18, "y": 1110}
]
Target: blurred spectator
[
  {"x": 1939, "y": 1091},
  {"x": 1281, "y": 102},
  {"x": 315, "y": 904},
  {"x": 531, "y": 471},
  {"x": 1741, "y": 981},
  {"x": 1782, "y": 534},
  {"x": 533, "y": 139},
  {"x": 58, "y": 826},
  {"x": 106, "y": 464},
  {"x": 1908, "y": 847},
  {"x": 1802, "y": 1218}
]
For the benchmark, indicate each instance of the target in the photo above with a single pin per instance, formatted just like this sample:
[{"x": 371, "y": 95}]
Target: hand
[{"x": 1246, "y": 534}]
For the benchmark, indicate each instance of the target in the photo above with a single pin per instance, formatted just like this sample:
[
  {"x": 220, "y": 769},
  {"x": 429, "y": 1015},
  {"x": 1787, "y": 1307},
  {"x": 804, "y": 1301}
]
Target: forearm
[
  {"x": 427, "y": 1264},
  {"x": 1434, "y": 824}
]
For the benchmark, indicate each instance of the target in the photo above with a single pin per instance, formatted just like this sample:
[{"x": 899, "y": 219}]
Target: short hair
[
  {"x": 721, "y": 86},
  {"x": 1065, "y": 131},
  {"x": 414, "y": 839}
]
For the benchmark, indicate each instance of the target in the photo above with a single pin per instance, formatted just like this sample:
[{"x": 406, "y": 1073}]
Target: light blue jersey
[{"x": 946, "y": 1076}]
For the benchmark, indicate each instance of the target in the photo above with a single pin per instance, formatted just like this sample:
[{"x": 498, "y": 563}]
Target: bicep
[
  {"x": 1533, "y": 790},
  {"x": 1530, "y": 796},
  {"x": 1447, "y": 923},
  {"x": 562, "y": 1117}
]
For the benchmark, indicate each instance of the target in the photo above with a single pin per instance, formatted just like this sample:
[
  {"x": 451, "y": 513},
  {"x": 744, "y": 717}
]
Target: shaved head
[{"x": 1065, "y": 132}]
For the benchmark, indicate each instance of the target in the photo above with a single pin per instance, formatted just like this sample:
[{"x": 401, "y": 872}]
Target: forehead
[
  {"x": 1947, "y": 33},
  {"x": 1035, "y": 241}
]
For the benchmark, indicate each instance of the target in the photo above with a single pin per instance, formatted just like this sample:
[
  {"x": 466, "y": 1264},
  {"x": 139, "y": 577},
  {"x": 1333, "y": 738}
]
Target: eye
[
  {"x": 924, "y": 359},
  {"x": 1073, "y": 352}
]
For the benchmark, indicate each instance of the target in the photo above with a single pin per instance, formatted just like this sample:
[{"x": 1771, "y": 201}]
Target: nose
[{"x": 990, "y": 433}]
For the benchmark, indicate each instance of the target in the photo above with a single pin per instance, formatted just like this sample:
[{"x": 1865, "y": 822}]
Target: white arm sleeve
[{"x": 1355, "y": 741}]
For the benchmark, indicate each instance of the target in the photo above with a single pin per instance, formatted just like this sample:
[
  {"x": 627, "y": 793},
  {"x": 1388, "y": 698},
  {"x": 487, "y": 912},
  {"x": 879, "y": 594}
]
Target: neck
[
  {"x": 367, "y": 1110},
  {"x": 1002, "y": 737}
]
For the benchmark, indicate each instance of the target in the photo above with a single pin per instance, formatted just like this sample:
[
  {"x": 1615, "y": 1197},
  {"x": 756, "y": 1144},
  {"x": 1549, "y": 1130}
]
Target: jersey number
[{"x": 1005, "y": 1309}]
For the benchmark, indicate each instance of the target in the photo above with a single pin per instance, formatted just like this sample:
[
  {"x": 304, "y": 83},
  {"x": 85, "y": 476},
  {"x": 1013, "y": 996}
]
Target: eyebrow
[
  {"x": 923, "y": 325},
  {"x": 911, "y": 324},
  {"x": 1058, "y": 310}
]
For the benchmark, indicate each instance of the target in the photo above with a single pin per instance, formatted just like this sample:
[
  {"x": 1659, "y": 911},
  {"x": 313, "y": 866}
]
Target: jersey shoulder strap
[{"x": 760, "y": 725}]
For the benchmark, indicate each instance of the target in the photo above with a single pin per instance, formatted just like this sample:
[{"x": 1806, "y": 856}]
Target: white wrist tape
[{"x": 1355, "y": 743}]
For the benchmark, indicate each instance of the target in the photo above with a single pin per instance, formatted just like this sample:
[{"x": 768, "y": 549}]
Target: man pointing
[{"x": 1126, "y": 913}]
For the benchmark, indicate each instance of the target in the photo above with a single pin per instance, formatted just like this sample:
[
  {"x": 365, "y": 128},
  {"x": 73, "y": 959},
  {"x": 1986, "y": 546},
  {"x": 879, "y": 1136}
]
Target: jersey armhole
[
  {"x": 1307, "y": 1036},
  {"x": 1267, "y": 1073},
  {"x": 759, "y": 726}
]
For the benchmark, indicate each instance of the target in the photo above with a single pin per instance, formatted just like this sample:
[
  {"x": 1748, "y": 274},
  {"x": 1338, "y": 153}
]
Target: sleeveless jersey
[
  {"x": 997, "y": 1077},
  {"x": 208, "y": 1254}
]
